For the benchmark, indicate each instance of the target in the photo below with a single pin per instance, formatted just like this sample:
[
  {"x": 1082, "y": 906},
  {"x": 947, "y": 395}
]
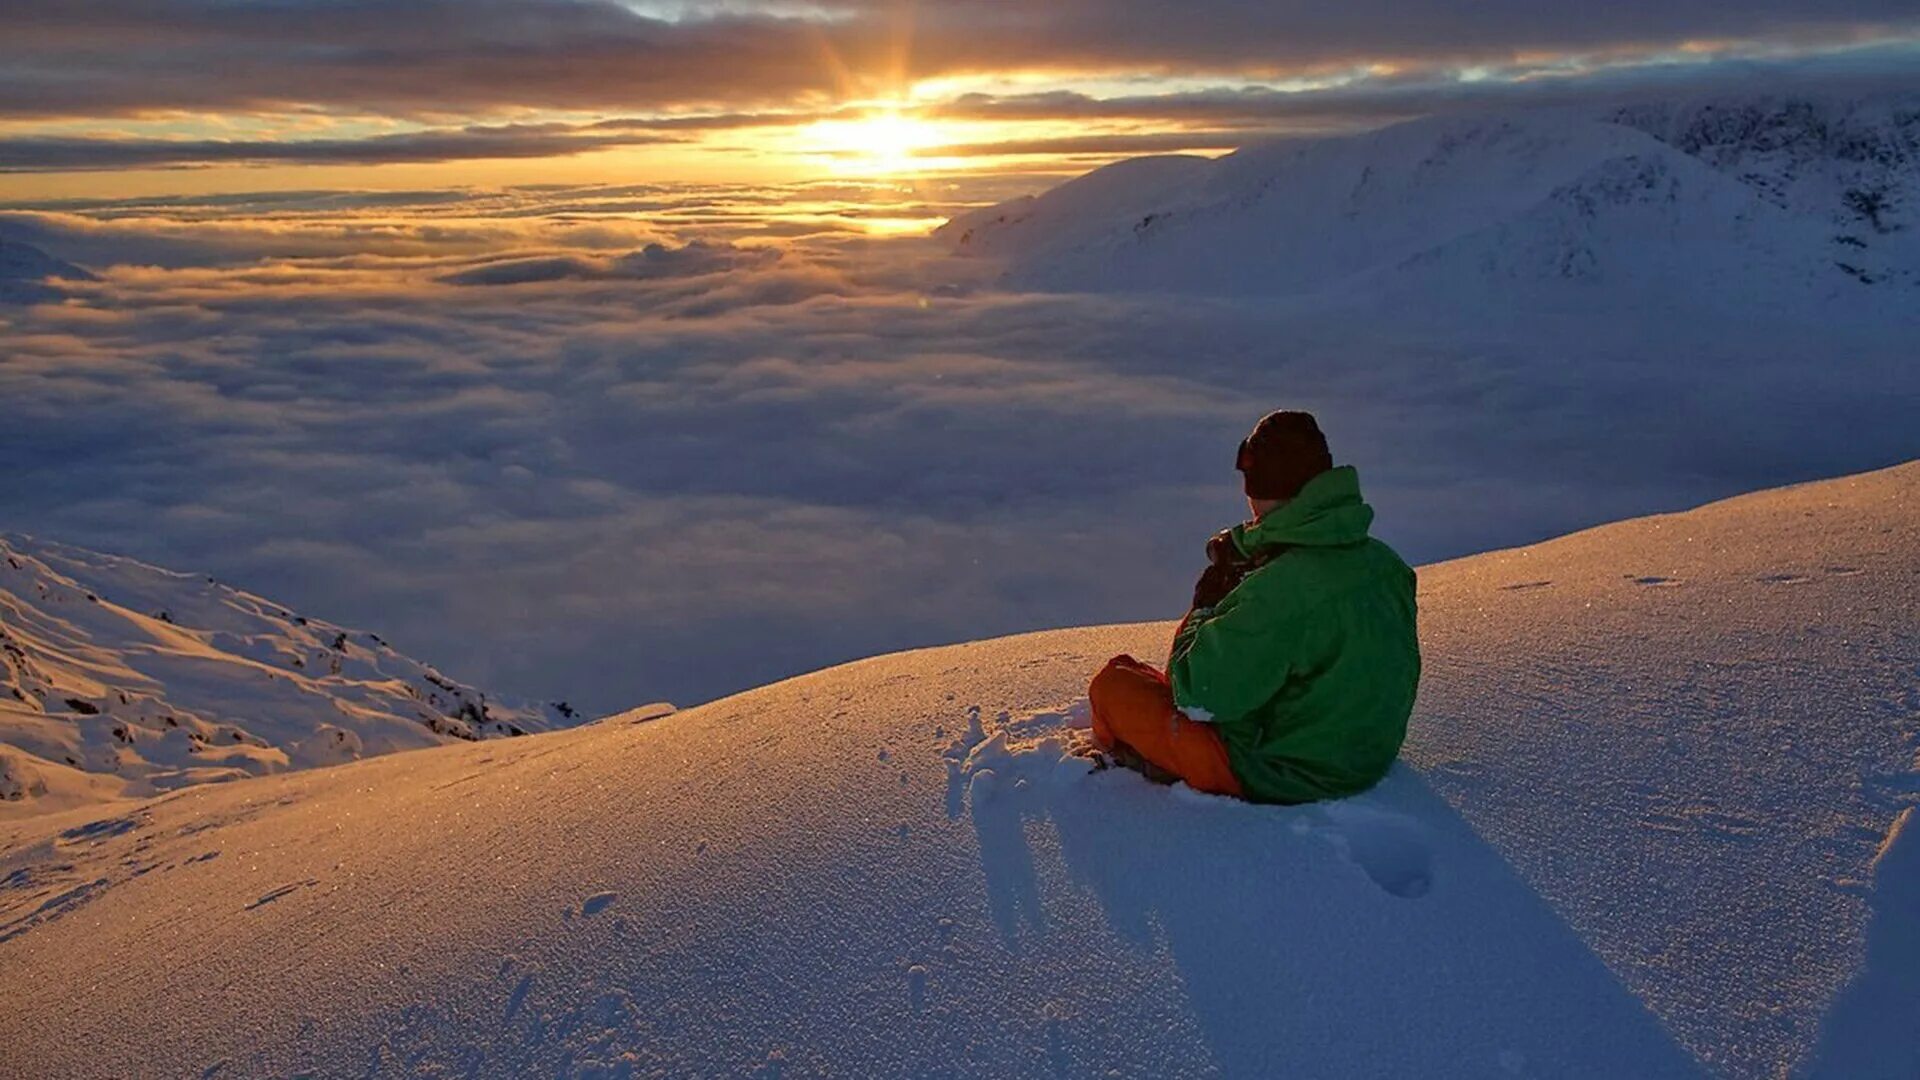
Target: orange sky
[{"x": 123, "y": 98}]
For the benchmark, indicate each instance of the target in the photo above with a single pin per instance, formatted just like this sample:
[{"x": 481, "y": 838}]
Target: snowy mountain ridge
[
  {"x": 1851, "y": 163},
  {"x": 123, "y": 679},
  {"x": 1854, "y": 161},
  {"x": 1776, "y": 199}
]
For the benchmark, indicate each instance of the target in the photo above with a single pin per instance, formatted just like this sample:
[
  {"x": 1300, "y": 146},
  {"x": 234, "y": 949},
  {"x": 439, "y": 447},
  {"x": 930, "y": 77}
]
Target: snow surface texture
[
  {"x": 119, "y": 678},
  {"x": 1742, "y": 202},
  {"x": 1654, "y": 820}
]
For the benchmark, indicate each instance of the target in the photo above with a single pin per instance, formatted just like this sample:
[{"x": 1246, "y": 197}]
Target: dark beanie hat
[{"x": 1285, "y": 451}]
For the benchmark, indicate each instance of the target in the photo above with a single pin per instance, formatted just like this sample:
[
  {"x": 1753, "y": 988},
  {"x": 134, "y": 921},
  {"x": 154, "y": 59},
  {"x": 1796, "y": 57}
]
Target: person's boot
[{"x": 1128, "y": 757}]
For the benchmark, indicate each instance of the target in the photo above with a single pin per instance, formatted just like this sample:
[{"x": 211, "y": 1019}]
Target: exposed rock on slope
[
  {"x": 1853, "y": 165},
  {"x": 122, "y": 678}
]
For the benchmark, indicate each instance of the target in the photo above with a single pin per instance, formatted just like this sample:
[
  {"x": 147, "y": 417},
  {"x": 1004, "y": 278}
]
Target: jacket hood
[{"x": 1328, "y": 512}]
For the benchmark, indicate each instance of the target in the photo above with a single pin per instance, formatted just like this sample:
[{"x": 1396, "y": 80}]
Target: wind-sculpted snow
[
  {"x": 118, "y": 678},
  {"x": 1645, "y": 827}
]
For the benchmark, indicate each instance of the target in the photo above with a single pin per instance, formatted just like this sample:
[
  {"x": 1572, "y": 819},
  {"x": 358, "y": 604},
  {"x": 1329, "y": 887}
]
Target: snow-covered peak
[
  {"x": 1855, "y": 162},
  {"x": 1850, "y": 165},
  {"x": 1801, "y": 199},
  {"x": 119, "y": 678}
]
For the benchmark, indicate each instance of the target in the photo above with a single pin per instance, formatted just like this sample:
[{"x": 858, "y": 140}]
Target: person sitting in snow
[{"x": 1292, "y": 677}]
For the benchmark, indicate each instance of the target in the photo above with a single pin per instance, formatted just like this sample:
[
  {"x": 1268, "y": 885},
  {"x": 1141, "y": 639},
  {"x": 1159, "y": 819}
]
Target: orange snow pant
[{"x": 1133, "y": 704}]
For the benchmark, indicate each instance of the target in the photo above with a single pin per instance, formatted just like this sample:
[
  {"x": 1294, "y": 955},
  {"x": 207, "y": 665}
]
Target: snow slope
[
  {"x": 1653, "y": 820},
  {"x": 1768, "y": 201},
  {"x": 119, "y": 678},
  {"x": 1085, "y": 204}
]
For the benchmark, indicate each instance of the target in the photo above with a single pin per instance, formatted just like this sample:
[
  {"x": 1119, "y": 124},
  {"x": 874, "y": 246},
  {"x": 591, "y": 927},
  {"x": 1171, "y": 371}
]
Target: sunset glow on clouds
[
  {"x": 389, "y": 93},
  {"x": 624, "y": 442}
]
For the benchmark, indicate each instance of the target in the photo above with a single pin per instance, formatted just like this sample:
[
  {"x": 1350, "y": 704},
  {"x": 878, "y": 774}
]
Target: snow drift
[
  {"x": 1654, "y": 820},
  {"x": 119, "y": 678}
]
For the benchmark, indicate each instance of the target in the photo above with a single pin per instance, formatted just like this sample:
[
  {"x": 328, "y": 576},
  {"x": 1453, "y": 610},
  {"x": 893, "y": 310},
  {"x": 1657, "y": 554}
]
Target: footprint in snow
[
  {"x": 1654, "y": 581},
  {"x": 282, "y": 891},
  {"x": 598, "y": 902},
  {"x": 917, "y": 988},
  {"x": 981, "y": 787},
  {"x": 31, "y": 877},
  {"x": 956, "y": 789},
  {"x": 517, "y": 998},
  {"x": 1392, "y": 850},
  {"x": 59, "y": 904},
  {"x": 95, "y": 831}
]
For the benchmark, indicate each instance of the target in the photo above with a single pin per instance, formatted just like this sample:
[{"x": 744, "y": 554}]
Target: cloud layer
[{"x": 525, "y": 444}]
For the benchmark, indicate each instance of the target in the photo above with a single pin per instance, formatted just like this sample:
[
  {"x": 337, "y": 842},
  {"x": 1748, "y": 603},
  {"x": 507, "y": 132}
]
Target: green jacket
[{"x": 1308, "y": 667}]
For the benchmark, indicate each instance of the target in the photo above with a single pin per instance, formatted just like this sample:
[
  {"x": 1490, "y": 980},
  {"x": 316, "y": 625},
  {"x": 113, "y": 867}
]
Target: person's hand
[
  {"x": 1222, "y": 551},
  {"x": 1216, "y": 581}
]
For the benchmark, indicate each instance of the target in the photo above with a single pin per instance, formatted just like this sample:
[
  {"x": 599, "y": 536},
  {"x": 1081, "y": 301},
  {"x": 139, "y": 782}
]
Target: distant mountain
[
  {"x": 1765, "y": 200},
  {"x": 25, "y": 272},
  {"x": 119, "y": 678},
  {"x": 1853, "y": 165},
  {"x": 1078, "y": 209},
  {"x": 1854, "y": 162}
]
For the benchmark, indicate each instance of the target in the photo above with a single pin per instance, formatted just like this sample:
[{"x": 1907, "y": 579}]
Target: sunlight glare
[{"x": 879, "y": 143}]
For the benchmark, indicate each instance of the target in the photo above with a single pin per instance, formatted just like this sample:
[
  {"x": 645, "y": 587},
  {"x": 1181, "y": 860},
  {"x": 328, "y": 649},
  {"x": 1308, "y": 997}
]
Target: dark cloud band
[
  {"x": 80, "y": 153},
  {"x": 1212, "y": 119},
  {"x": 117, "y": 57}
]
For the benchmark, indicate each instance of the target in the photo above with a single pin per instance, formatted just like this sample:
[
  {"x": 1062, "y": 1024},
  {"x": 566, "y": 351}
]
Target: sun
[{"x": 883, "y": 141}]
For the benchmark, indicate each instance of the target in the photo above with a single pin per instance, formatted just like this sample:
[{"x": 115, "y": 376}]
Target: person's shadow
[
  {"x": 1868, "y": 1032},
  {"x": 1379, "y": 933}
]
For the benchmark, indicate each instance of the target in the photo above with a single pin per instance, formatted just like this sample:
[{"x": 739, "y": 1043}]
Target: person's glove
[
  {"x": 1225, "y": 567},
  {"x": 1216, "y": 581},
  {"x": 1222, "y": 551}
]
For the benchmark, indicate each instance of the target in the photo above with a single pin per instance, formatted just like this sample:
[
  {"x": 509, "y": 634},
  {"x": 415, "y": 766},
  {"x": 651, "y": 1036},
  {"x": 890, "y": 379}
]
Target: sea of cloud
[{"x": 624, "y": 444}]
